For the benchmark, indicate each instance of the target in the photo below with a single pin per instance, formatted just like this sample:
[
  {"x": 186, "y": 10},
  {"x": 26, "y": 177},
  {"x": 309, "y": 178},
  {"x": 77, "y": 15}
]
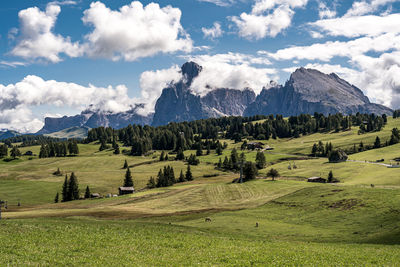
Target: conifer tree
[
  {"x": 87, "y": 192},
  {"x": 226, "y": 163},
  {"x": 73, "y": 187},
  {"x": 377, "y": 143},
  {"x": 56, "y": 198},
  {"x": 128, "y": 182},
  {"x": 219, "y": 149},
  {"x": 330, "y": 177},
  {"x": 199, "y": 151},
  {"x": 189, "y": 175},
  {"x": 116, "y": 150},
  {"x": 250, "y": 171},
  {"x": 260, "y": 160},
  {"x": 151, "y": 183},
  {"x": 166, "y": 157},
  {"x": 180, "y": 155},
  {"x": 219, "y": 165},
  {"x": 181, "y": 177},
  {"x": 14, "y": 153},
  {"x": 125, "y": 165},
  {"x": 162, "y": 157},
  {"x": 64, "y": 192}
]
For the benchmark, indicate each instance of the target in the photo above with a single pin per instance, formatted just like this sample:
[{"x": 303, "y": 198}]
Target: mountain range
[{"x": 306, "y": 91}]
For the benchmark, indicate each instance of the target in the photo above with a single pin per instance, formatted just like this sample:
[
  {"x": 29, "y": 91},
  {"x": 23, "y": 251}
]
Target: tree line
[{"x": 60, "y": 149}]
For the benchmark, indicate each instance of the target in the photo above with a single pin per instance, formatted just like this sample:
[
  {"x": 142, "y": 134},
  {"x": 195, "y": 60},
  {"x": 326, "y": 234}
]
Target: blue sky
[{"x": 57, "y": 58}]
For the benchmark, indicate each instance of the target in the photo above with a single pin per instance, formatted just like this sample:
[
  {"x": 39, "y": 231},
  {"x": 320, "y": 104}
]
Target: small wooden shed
[
  {"x": 316, "y": 180},
  {"x": 126, "y": 190}
]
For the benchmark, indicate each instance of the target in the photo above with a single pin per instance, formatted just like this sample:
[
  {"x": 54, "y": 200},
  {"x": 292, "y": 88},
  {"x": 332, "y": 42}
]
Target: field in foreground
[{"x": 299, "y": 223}]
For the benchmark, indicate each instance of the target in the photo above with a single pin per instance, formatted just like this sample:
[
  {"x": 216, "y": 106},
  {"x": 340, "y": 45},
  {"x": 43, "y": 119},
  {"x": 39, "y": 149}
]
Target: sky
[{"x": 62, "y": 57}]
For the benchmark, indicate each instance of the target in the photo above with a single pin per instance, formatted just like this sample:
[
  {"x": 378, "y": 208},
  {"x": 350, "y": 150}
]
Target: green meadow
[{"x": 262, "y": 222}]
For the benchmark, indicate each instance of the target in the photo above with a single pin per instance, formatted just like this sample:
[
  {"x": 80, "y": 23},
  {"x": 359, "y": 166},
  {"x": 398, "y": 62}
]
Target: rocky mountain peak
[{"x": 190, "y": 70}]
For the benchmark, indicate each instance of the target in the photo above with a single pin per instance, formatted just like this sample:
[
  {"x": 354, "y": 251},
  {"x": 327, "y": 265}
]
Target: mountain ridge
[{"x": 306, "y": 91}]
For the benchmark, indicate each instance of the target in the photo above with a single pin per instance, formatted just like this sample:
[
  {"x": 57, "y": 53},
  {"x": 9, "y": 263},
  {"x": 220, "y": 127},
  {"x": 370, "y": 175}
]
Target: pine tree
[
  {"x": 73, "y": 187},
  {"x": 56, "y": 198},
  {"x": 219, "y": 149},
  {"x": 166, "y": 157},
  {"x": 208, "y": 149},
  {"x": 64, "y": 193},
  {"x": 219, "y": 165},
  {"x": 180, "y": 155},
  {"x": 151, "y": 183},
  {"x": 128, "y": 182},
  {"x": 314, "y": 150},
  {"x": 87, "y": 192},
  {"x": 377, "y": 143},
  {"x": 125, "y": 165},
  {"x": 250, "y": 171},
  {"x": 181, "y": 177},
  {"x": 234, "y": 158},
  {"x": 14, "y": 153},
  {"x": 226, "y": 163},
  {"x": 162, "y": 157},
  {"x": 199, "y": 151},
  {"x": 116, "y": 150},
  {"x": 160, "y": 179},
  {"x": 188, "y": 175},
  {"x": 260, "y": 160},
  {"x": 330, "y": 177}
]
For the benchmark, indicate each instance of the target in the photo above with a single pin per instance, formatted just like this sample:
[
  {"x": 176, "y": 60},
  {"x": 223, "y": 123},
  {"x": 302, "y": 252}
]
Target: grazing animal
[
  {"x": 256, "y": 224},
  {"x": 208, "y": 219}
]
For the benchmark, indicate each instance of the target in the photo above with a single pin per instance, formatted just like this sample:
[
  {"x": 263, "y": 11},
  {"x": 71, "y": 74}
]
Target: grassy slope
[{"x": 300, "y": 223}]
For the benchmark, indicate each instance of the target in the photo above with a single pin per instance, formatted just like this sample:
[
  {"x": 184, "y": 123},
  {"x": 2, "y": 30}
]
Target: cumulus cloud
[
  {"x": 134, "y": 31},
  {"x": 267, "y": 18},
  {"x": 214, "y": 32},
  {"x": 17, "y": 99},
  {"x": 37, "y": 39},
  {"x": 152, "y": 83},
  {"x": 325, "y": 12},
  {"x": 351, "y": 27},
  {"x": 231, "y": 70},
  {"x": 328, "y": 50},
  {"x": 366, "y": 7},
  {"x": 219, "y": 2}
]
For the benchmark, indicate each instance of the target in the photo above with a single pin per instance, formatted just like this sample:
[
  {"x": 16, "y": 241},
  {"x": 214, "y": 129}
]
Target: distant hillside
[
  {"x": 8, "y": 134},
  {"x": 73, "y": 132}
]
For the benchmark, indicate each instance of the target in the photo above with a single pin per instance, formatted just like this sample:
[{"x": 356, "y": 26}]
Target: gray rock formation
[
  {"x": 178, "y": 103},
  {"x": 93, "y": 119},
  {"x": 309, "y": 91}
]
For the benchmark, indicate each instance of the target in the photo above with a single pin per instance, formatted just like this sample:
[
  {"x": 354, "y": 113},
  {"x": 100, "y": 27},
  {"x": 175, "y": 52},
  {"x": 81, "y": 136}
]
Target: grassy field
[{"x": 299, "y": 223}]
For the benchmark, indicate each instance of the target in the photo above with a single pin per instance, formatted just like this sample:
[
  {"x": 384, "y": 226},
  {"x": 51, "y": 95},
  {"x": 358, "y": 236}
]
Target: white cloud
[
  {"x": 267, "y": 18},
  {"x": 327, "y": 51},
  {"x": 325, "y": 12},
  {"x": 219, "y": 2},
  {"x": 37, "y": 40},
  {"x": 359, "y": 26},
  {"x": 366, "y": 7},
  {"x": 233, "y": 71},
  {"x": 214, "y": 32},
  {"x": 17, "y": 99},
  {"x": 134, "y": 31},
  {"x": 152, "y": 83}
]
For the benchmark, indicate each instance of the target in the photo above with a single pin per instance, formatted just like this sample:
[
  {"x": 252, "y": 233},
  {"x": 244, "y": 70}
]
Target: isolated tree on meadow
[
  {"x": 56, "y": 199},
  {"x": 188, "y": 175},
  {"x": 151, "y": 183},
  {"x": 116, "y": 150},
  {"x": 14, "y": 153},
  {"x": 219, "y": 149},
  {"x": 330, "y": 177},
  {"x": 128, "y": 182},
  {"x": 87, "y": 192},
  {"x": 260, "y": 160},
  {"x": 125, "y": 165},
  {"x": 273, "y": 174}
]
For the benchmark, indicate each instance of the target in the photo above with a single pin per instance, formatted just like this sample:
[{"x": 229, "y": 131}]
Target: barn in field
[
  {"x": 126, "y": 190},
  {"x": 316, "y": 180}
]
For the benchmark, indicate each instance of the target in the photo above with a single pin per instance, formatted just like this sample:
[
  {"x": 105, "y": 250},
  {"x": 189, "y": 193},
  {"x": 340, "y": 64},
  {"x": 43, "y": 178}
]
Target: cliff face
[
  {"x": 178, "y": 103},
  {"x": 309, "y": 91}
]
